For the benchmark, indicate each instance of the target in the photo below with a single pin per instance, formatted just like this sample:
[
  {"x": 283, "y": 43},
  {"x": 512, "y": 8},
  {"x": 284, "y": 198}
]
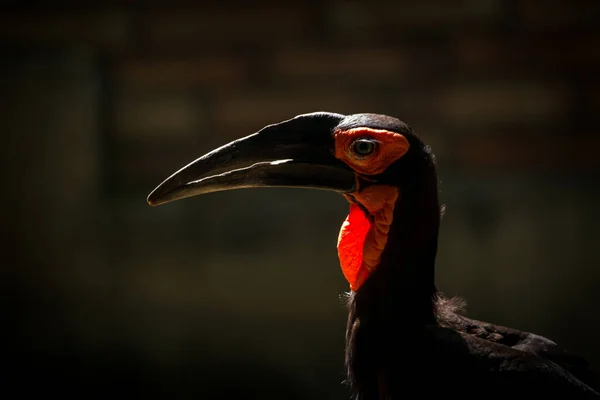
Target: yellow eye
[{"x": 363, "y": 147}]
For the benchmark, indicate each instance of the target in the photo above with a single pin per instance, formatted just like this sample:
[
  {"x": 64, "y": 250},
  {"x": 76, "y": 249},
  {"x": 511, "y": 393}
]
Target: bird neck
[
  {"x": 402, "y": 285},
  {"x": 399, "y": 293}
]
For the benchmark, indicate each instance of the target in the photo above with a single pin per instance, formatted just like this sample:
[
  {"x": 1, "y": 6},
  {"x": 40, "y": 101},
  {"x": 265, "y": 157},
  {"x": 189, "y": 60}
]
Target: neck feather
[{"x": 398, "y": 299}]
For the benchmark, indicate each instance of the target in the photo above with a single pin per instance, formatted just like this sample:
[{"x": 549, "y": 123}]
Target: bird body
[
  {"x": 459, "y": 356},
  {"x": 404, "y": 339}
]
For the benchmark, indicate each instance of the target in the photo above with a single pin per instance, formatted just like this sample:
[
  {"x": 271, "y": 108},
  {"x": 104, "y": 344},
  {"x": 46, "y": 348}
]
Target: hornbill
[{"x": 404, "y": 339}]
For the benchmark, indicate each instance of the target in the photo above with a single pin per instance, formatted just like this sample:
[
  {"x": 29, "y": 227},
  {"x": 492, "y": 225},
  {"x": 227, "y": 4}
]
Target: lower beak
[{"x": 294, "y": 153}]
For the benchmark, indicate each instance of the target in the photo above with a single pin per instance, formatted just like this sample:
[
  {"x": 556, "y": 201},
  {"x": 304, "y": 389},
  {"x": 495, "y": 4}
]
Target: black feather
[{"x": 405, "y": 340}]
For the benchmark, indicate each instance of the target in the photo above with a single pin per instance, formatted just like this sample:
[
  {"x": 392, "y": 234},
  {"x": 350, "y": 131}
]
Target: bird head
[{"x": 368, "y": 158}]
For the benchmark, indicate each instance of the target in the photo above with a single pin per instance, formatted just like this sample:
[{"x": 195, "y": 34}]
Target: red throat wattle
[{"x": 361, "y": 241}]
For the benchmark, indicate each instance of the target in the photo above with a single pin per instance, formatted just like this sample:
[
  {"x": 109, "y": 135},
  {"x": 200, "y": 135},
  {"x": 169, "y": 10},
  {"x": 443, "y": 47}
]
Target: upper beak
[{"x": 294, "y": 153}]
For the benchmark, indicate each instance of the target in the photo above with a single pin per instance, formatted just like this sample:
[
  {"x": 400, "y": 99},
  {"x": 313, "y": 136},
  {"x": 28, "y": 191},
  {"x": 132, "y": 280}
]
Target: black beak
[{"x": 294, "y": 153}]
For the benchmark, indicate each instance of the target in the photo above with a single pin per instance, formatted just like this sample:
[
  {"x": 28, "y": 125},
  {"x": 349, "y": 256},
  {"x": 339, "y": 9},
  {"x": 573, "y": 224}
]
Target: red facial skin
[{"x": 361, "y": 241}]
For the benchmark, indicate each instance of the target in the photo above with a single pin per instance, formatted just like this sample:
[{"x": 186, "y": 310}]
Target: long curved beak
[{"x": 294, "y": 153}]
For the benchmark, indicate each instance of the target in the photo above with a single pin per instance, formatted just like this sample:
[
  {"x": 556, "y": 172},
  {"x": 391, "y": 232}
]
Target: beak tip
[{"x": 153, "y": 199}]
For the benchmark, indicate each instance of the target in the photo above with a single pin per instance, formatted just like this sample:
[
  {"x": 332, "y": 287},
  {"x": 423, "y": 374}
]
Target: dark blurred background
[{"x": 237, "y": 294}]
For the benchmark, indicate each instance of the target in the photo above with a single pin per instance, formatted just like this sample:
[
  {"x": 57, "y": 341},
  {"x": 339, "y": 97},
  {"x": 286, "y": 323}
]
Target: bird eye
[{"x": 363, "y": 147}]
